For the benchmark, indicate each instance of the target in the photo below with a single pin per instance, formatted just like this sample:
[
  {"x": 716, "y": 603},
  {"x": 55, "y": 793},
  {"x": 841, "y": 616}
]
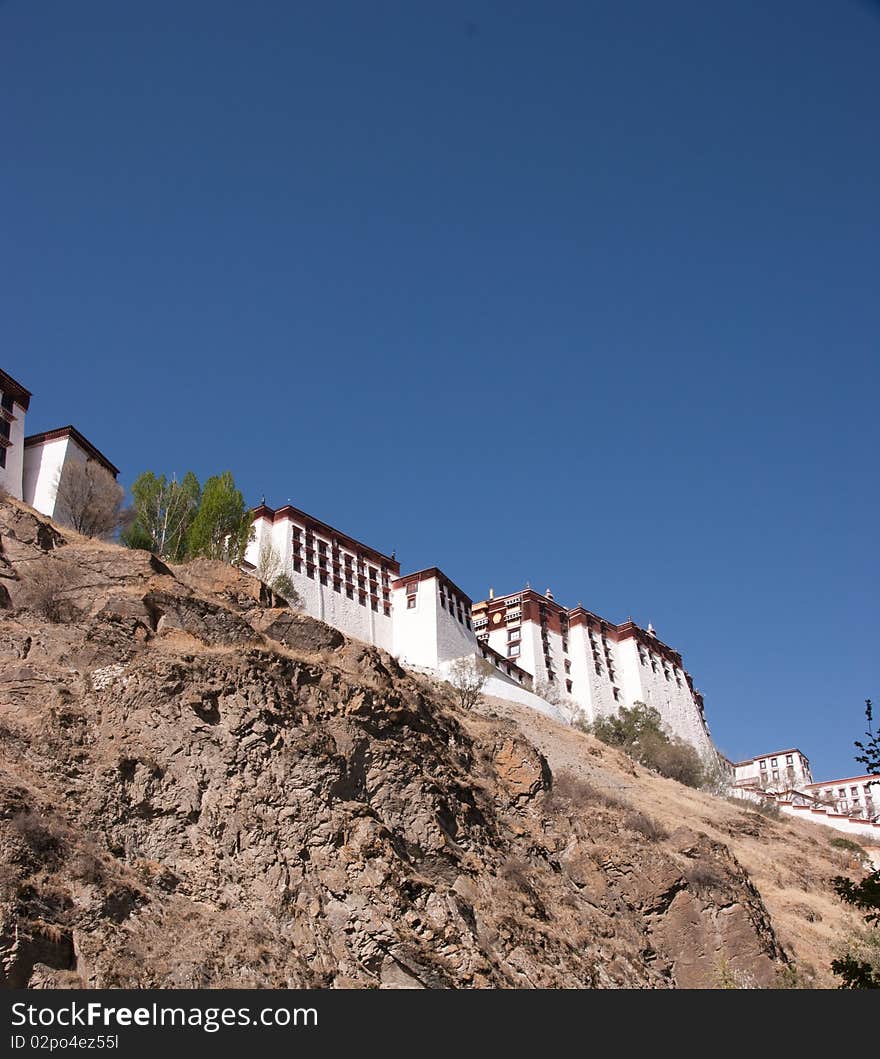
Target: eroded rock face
[{"x": 202, "y": 788}]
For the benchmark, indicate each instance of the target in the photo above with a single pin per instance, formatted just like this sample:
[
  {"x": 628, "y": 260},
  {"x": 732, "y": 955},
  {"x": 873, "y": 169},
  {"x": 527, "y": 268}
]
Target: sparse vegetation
[
  {"x": 853, "y": 848},
  {"x": 271, "y": 571},
  {"x": 703, "y": 875},
  {"x": 727, "y": 977},
  {"x": 467, "y": 678},
  {"x": 639, "y": 731},
  {"x": 645, "y": 825},
  {"x": 44, "y": 590},
  {"x": 578, "y": 793}
]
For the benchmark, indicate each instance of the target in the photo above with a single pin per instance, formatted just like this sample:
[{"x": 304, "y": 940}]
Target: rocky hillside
[{"x": 201, "y": 788}]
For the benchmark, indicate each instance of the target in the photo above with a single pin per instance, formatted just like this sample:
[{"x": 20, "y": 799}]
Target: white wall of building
[
  {"x": 855, "y": 795},
  {"x": 43, "y": 467},
  {"x": 11, "y": 474},
  {"x": 664, "y": 686},
  {"x": 349, "y": 615},
  {"x": 432, "y": 621}
]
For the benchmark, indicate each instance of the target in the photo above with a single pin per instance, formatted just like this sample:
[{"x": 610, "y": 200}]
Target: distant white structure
[
  {"x": 783, "y": 770},
  {"x": 850, "y": 805},
  {"x": 590, "y": 664},
  {"x": 856, "y": 796},
  {"x": 32, "y": 467},
  {"x": 564, "y": 663}
]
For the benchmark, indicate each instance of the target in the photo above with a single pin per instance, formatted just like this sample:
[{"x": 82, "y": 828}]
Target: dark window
[
  {"x": 362, "y": 598},
  {"x": 387, "y": 608},
  {"x": 323, "y": 578},
  {"x": 568, "y": 686},
  {"x": 410, "y": 602},
  {"x": 297, "y": 565},
  {"x": 6, "y": 401},
  {"x": 2, "y": 456},
  {"x": 349, "y": 591}
]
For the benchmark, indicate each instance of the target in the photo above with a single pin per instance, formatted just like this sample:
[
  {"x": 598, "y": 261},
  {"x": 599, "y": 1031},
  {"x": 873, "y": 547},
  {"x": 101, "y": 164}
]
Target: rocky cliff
[{"x": 201, "y": 788}]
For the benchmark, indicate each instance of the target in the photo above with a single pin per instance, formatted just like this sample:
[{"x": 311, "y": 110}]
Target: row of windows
[
  {"x": 789, "y": 760},
  {"x": 348, "y": 588}
]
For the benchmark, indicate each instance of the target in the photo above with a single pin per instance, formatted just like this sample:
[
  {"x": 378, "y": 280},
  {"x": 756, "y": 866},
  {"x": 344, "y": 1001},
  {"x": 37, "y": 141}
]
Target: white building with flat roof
[
  {"x": 857, "y": 797},
  {"x": 591, "y": 664},
  {"x": 783, "y": 770}
]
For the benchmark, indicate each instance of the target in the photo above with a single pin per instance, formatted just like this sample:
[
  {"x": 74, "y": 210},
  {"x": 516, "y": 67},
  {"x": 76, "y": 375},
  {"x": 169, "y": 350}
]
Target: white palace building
[{"x": 568, "y": 663}]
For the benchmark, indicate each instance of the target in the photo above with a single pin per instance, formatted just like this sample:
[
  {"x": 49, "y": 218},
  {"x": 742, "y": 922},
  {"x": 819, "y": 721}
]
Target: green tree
[
  {"x": 859, "y": 965},
  {"x": 223, "y": 525},
  {"x": 638, "y": 730},
  {"x": 164, "y": 512}
]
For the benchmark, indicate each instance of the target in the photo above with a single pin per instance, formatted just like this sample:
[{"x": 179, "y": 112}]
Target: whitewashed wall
[
  {"x": 12, "y": 474},
  {"x": 43, "y": 465},
  {"x": 323, "y": 601}
]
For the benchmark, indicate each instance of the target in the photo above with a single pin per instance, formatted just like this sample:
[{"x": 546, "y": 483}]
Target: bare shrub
[
  {"x": 516, "y": 871},
  {"x": 580, "y": 793},
  {"x": 467, "y": 678},
  {"x": 705, "y": 876},
  {"x": 645, "y": 825},
  {"x": 38, "y": 834},
  {"x": 44, "y": 590},
  {"x": 89, "y": 499},
  {"x": 767, "y": 807}
]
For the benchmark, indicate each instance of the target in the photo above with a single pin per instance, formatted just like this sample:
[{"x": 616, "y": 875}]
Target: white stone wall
[
  {"x": 665, "y": 687},
  {"x": 856, "y": 796},
  {"x": 11, "y": 475},
  {"x": 414, "y": 640},
  {"x": 350, "y": 616},
  {"x": 43, "y": 465}
]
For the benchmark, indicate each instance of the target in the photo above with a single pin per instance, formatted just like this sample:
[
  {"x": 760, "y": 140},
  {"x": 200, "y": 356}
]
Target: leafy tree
[
  {"x": 89, "y": 499},
  {"x": 223, "y": 525},
  {"x": 859, "y": 965},
  {"x": 638, "y": 730},
  {"x": 164, "y": 512}
]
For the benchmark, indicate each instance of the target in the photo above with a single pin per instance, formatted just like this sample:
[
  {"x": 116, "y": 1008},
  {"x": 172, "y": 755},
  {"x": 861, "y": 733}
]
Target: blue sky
[{"x": 579, "y": 293}]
